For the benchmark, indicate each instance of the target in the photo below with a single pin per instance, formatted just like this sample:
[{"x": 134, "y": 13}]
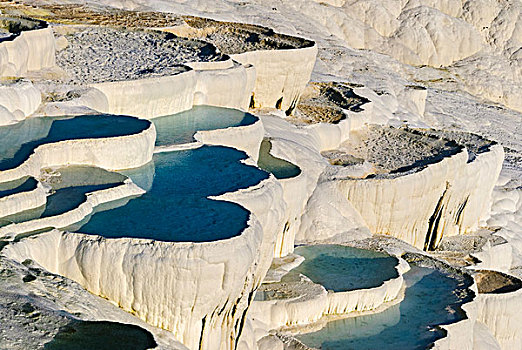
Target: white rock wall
[
  {"x": 308, "y": 309},
  {"x": 403, "y": 206},
  {"x": 150, "y": 97},
  {"x": 211, "y": 84},
  {"x": 31, "y": 51},
  {"x": 17, "y": 101},
  {"x": 230, "y": 87},
  {"x": 281, "y": 75},
  {"x": 501, "y": 314},
  {"x": 245, "y": 138}
]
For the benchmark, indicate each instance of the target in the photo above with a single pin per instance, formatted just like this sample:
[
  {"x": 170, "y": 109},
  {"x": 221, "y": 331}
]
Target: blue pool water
[
  {"x": 34, "y": 132},
  {"x": 281, "y": 168},
  {"x": 180, "y": 128},
  {"x": 17, "y": 186},
  {"x": 176, "y": 207},
  {"x": 432, "y": 298},
  {"x": 341, "y": 268}
]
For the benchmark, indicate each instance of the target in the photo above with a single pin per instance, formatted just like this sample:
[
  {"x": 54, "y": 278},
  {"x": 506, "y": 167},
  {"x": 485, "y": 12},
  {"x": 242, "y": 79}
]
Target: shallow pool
[
  {"x": 176, "y": 207},
  {"x": 340, "y": 268},
  {"x": 281, "y": 168},
  {"x": 180, "y": 128},
  {"x": 25, "y": 184},
  {"x": 432, "y": 298},
  {"x": 18, "y": 141},
  {"x": 70, "y": 186},
  {"x": 101, "y": 335}
]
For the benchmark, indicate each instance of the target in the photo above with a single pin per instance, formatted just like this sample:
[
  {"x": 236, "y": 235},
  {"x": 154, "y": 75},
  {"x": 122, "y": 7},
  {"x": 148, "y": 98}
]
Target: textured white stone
[
  {"x": 501, "y": 314},
  {"x": 281, "y": 75},
  {"x": 31, "y": 51},
  {"x": 17, "y": 101},
  {"x": 403, "y": 206},
  {"x": 149, "y": 97},
  {"x": 245, "y": 138}
]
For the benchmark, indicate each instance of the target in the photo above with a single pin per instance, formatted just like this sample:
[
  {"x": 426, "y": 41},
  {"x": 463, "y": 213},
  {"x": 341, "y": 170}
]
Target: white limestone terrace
[
  {"x": 283, "y": 63},
  {"x": 29, "y": 46},
  {"x": 295, "y": 303},
  {"x": 105, "y": 54},
  {"x": 72, "y": 193},
  {"x": 67, "y": 143},
  {"x": 391, "y": 152},
  {"x": 451, "y": 188},
  {"x": 278, "y": 148}
]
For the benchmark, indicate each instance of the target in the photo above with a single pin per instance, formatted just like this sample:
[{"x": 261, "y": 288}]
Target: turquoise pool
[
  {"x": 176, "y": 207},
  {"x": 340, "y": 268},
  {"x": 432, "y": 298},
  {"x": 180, "y": 128}
]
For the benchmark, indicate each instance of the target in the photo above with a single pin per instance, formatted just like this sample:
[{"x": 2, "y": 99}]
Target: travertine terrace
[{"x": 88, "y": 102}]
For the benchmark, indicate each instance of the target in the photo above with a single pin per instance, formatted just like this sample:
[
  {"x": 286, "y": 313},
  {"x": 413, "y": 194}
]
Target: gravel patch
[
  {"x": 234, "y": 38},
  {"x": 397, "y": 150},
  {"x": 98, "y": 54}
]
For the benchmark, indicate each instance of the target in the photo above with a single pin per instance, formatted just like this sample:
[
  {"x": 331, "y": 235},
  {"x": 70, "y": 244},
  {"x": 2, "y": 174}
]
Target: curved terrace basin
[
  {"x": 69, "y": 186},
  {"x": 180, "y": 128},
  {"x": 17, "y": 186},
  {"x": 393, "y": 151},
  {"x": 177, "y": 207},
  {"x": 341, "y": 268},
  {"x": 281, "y": 168},
  {"x": 49, "y": 130},
  {"x": 432, "y": 298},
  {"x": 102, "y": 335}
]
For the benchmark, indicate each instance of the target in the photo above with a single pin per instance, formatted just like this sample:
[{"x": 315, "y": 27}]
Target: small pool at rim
[{"x": 432, "y": 298}]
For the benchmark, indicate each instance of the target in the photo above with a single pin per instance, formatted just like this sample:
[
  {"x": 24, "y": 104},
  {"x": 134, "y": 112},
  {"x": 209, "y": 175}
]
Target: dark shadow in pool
[
  {"x": 281, "y": 168},
  {"x": 102, "y": 335},
  {"x": 13, "y": 187}
]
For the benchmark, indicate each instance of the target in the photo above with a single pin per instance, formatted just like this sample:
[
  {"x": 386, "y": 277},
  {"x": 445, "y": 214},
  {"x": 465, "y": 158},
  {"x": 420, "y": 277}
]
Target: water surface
[
  {"x": 281, "y": 168},
  {"x": 176, "y": 206},
  {"x": 432, "y": 298},
  {"x": 340, "y": 268},
  {"x": 180, "y": 128},
  {"x": 25, "y": 184}
]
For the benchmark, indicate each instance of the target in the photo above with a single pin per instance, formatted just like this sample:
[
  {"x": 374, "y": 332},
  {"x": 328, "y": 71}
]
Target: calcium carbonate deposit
[{"x": 261, "y": 175}]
